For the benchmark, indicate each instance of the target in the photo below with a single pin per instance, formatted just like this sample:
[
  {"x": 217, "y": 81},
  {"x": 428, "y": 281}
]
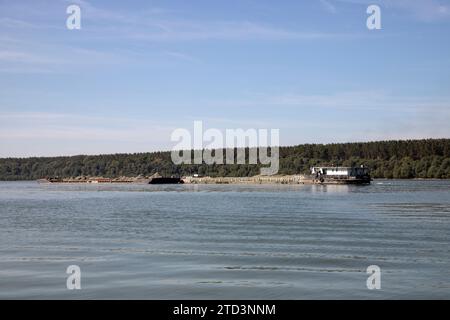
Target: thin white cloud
[
  {"x": 427, "y": 10},
  {"x": 328, "y": 6},
  {"x": 33, "y": 57},
  {"x": 353, "y": 100},
  {"x": 139, "y": 26},
  {"x": 6, "y": 22},
  {"x": 151, "y": 24},
  {"x": 17, "y": 56},
  {"x": 193, "y": 31},
  {"x": 424, "y": 10},
  {"x": 28, "y": 50},
  {"x": 181, "y": 56}
]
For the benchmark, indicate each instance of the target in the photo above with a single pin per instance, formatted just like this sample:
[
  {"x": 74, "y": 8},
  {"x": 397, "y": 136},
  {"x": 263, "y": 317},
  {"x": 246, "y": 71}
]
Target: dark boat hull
[
  {"x": 365, "y": 180},
  {"x": 165, "y": 181}
]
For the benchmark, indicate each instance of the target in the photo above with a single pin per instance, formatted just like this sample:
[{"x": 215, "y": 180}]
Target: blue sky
[{"x": 139, "y": 69}]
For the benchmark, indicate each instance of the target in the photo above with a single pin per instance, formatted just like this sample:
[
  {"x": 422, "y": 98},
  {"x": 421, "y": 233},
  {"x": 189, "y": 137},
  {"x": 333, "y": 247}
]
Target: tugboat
[{"x": 341, "y": 175}]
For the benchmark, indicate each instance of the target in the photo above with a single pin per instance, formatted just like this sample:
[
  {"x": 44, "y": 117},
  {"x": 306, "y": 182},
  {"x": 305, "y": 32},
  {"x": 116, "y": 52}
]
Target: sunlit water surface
[{"x": 225, "y": 241}]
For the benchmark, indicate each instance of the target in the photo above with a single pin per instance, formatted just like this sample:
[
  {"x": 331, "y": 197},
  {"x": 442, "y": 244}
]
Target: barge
[
  {"x": 318, "y": 175},
  {"x": 154, "y": 179},
  {"x": 158, "y": 179}
]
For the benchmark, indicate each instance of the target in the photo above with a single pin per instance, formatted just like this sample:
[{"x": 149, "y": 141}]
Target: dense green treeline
[{"x": 387, "y": 159}]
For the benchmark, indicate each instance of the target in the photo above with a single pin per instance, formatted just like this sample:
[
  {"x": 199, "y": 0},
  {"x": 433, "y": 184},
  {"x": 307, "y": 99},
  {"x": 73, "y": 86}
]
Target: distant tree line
[{"x": 404, "y": 159}]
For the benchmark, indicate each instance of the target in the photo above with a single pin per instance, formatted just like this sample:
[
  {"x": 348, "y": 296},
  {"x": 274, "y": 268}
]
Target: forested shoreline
[{"x": 402, "y": 159}]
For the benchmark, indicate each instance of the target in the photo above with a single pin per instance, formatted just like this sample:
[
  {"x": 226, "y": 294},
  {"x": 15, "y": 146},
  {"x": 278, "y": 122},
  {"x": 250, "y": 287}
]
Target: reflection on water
[{"x": 225, "y": 241}]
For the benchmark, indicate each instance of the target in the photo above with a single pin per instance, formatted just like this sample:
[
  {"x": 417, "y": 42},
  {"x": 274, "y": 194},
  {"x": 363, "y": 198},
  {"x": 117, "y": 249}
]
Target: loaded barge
[
  {"x": 154, "y": 179},
  {"x": 318, "y": 175}
]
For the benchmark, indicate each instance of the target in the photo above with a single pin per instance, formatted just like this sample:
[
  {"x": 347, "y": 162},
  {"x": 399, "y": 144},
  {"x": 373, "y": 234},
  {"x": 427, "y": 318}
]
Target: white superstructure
[{"x": 340, "y": 171}]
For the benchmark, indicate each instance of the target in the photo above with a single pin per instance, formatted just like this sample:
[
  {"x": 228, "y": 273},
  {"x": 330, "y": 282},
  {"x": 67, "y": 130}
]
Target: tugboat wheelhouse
[{"x": 341, "y": 174}]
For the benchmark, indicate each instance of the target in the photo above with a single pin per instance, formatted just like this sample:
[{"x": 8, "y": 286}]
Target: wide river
[{"x": 225, "y": 241}]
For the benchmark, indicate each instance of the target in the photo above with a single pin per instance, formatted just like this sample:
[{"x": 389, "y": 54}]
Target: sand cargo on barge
[{"x": 318, "y": 175}]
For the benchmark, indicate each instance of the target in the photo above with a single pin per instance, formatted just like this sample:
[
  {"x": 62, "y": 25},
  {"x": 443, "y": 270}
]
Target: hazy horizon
[{"x": 169, "y": 150}]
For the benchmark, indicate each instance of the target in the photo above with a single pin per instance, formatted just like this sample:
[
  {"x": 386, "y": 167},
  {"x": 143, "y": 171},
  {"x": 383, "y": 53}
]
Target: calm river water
[{"x": 225, "y": 241}]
